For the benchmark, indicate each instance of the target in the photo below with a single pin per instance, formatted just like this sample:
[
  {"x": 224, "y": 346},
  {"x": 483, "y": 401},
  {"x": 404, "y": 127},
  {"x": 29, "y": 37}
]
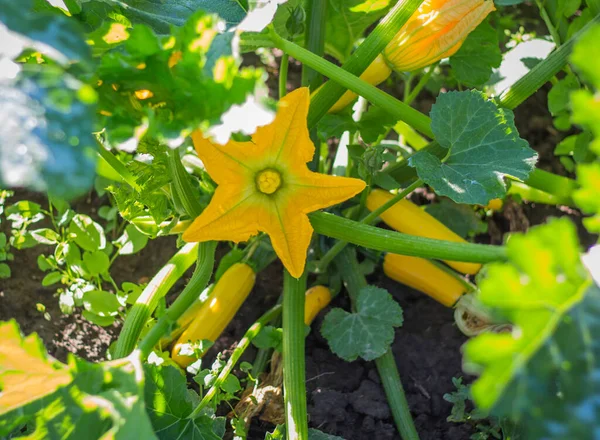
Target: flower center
[{"x": 268, "y": 181}]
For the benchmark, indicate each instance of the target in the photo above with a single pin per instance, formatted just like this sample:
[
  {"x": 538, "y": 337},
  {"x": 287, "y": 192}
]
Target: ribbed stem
[
  {"x": 182, "y": 186},
  {"x": 315, "y": 39},
  {"x": 393, "y": 106},
  {"x": 283, "y": 73},
  {"x": 148, "y": 300},
  {"x": 199, "y": 280},
  {"x": 354, "y": 281},
  {"x": 367, "y": 220},
  {"x": 241, "y": 347},
  {"x": 294, "y": 375},
  {"x": 362, "y": 57},
  {"x": 396, "y": 242}
]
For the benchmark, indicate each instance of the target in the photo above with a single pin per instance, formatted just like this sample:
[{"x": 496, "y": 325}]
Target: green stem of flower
[
  {"x": 294, "y": 375},
  {"x": 182, "y": 186},
  {"x": 146, "y": 303},
  {"x": 241, "y": 347},
  {"x": 354, "y": 281},
  {"x": 362, "y": 57},
  {"x": 315, "y": 39},
  {"x": 199, "y": 280},
  {"x": 388, "y": 103},
  {"x": 379, "y": 239},
  {"x": 367, "y": 220},
  {"x": 422, "y": 82},
  {"x": 543, "y": 71},
  {"x": 283, "y": 74}
]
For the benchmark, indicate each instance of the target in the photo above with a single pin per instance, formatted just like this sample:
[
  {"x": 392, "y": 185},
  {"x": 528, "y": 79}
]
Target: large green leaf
[
  {"x": 480, "y": 53},
  {"x": 169, "y": 403},
  {"x": 483, "y": 145},
  {"x": 545, "y": 372},
  {"x": 369, "y": 331}
]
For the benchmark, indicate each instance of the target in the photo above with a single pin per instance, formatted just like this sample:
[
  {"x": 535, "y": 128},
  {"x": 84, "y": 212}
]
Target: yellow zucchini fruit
[
  {"x": 424, "y": 276},
  {"x": 218, "y": 310},
  {"x": 315, "y": 300},
  {"x": 408, "y": 218},
  {"x": 183, "y": 322}
]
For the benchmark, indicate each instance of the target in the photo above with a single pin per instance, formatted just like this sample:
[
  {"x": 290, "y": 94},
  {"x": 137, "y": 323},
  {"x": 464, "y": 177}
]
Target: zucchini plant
[{"x": 152, "y": 107}]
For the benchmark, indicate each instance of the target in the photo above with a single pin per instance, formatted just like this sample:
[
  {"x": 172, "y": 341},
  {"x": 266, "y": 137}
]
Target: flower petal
[
  {"x": 311, "y": 191},
  {"x": 287, "y": 139},
  {"x": 229, "y": 163},
  {"x": 290, "y": 233},
  {"x": 231, "y": 215}
]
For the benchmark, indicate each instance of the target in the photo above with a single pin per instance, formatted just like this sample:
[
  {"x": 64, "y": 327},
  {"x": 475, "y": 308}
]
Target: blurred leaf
[
  {"x": 26, "y": 372},
  {"x": 269, "y": 337},
  {"x": 102, "y": 321},
  {"x": 315, "y": 434},
  {"x": 375, "y": 124},
  {"x": 235, "y": 255},
  {"x": 101, "y": 302},
  {"x": 542, "y": 373},
  {"x": 587, "y": 196},
  {"x": 132, "y": 241},
  {"x": 51, "y": 278},
  {"x": 369, "y": 331},
  {"x": 96, "y": 262},
  {"x": 4, "y": 271},
  {"x": 558, "y": 96},
  {"x": 45, "y": 236},
  {"x": 169, "y": 403},
  {"x": 346, "y": 22},
  {"x": 483, "y": 145},
  {"x": 460, "y": 218},
  {"x": 479, "y": 54}
]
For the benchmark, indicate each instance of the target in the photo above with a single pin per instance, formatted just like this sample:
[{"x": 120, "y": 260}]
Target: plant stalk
[
  {"x": 294, "y": 375},
  {"x": 283, "y": 74},
  {"x": 354, "y": 281},
  {"x": 199, "y": 280},
  {"x": 148, "y": 300},
  {"x": 182, "y": 186},
  {"x": 379, "y": 239},
  {"x": 315, "y": 39}
]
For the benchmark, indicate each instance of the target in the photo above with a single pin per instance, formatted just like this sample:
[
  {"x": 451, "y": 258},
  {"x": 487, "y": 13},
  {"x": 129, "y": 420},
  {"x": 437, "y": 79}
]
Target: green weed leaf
[
  {"x": 96, "y": 262},
  {"x": 101, "y": 302},
  {"x": 460, "y": 218},
  {"x": 369, "y": 331},
  {"x": 483, "y": 145},
  {"x": 132, "y": 241},
  {"x": 88, "y": 234},
  {"x": 543, "y": 373}
]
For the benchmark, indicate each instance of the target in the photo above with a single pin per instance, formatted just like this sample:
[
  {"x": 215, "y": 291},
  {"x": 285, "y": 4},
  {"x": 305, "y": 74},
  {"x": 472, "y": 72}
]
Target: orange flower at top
[
  {"x": 435, "y": 31},
  {"x": 265, "y": 185}
]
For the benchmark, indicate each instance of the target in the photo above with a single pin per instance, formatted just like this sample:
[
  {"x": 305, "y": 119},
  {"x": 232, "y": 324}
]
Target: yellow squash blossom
[
  {"x": 435, "y": 31},
  {"x": 265, "y": 185}
]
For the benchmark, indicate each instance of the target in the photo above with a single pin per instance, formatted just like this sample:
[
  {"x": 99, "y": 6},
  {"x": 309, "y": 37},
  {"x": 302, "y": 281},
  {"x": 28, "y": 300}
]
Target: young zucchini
[
  {"x": 424, "y": 276},
  {"x": 316, "y": 299},
  {"x": 407, "y": 217},
  {"x": 217, "y": 311}
]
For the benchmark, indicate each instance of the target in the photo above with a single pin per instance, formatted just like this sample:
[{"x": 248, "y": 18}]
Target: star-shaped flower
[{"x": 265, "y": 185}]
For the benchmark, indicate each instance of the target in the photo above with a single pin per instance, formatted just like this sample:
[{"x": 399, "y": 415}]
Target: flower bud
[{"x": 435, "y": 31}]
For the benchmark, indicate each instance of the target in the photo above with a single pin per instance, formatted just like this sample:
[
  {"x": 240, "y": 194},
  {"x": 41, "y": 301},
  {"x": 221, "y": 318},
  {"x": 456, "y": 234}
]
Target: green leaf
[
  {"x": 45, "y": 236},
  {"x": 483, "y": 145},
  {"x": 269, "y": 337},
  {"x": 88, "y": 234},
  {"x": 346, "y": 22},
  {"x": 26, "y": 372},
  {"x": 101, "y": 302},
  {"x": 169, "y": 403},
  {"x": 4, "y": 271},
  {"x": 235, "y": 255},
  {"x": 132, "y": 241},
  {"x": 477, "y": 57},
  {"x": 460, "y": 218},
  {"x": 315, "y": 434},
  {"x": 231, "y": 385},
  {"x": 96, "y": 262},
  {"x": 102, "y": 321},
  {"x": 587, "y": 196},
  {"x": 542, "y": 372},
  {"x": 369, "y": 331},
  {"x": 375, "y": 124},
  {"x": 558, "y": 96},
  {"x": 51, "y": 278}
]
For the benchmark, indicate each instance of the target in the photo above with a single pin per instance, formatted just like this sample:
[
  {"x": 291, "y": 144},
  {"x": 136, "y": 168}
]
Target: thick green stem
[
  {"x": 315, "y": 39},
  {"x": 362, "y": 57},
  {"x": 294, "y": 375},
  {"x": 148, "y": 300},
  {"x": 199, "y": 280},
  {"x": 283, "y": 74},
  {"x": 398, "y": 243},
  {"x": 393, "y": 106},
  {"x": 354, "y": 281},
  {"x": 182, "y": 186},
  {"x": 543, "y": 71},
  {"x": 241, "y": 347},
  {"x": 367, "y": 220}
]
